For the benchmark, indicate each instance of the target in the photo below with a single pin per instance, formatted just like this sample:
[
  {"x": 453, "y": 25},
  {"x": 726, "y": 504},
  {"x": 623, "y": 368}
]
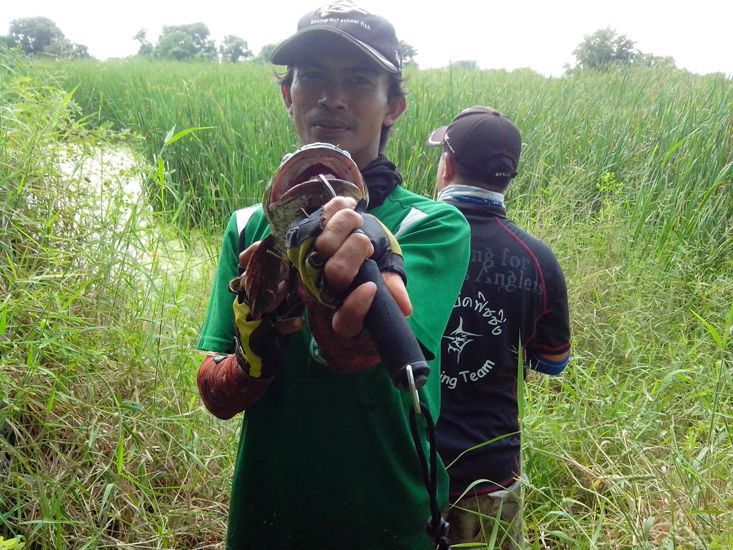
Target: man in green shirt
[{"x": 326, "y": 458}]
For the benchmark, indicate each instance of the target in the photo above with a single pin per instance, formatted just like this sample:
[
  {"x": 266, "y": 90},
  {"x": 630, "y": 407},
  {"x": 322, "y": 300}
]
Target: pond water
[
  {"x": 109, "y": 177},
  {"x": 106, "y": 185}
]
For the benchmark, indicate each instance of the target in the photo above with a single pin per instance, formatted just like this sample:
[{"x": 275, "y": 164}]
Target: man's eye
[
  {"x": 311, "y": 75},
  {"x": 360, "y": 81}
]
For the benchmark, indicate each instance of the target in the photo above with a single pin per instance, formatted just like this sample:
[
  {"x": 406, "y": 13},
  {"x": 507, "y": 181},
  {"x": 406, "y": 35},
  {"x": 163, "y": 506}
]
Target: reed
[{"x": 103, "y": 440}]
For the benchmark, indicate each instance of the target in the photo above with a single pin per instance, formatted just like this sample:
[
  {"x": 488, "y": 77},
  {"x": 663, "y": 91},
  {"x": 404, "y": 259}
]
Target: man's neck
[
  {"x": 475, "y": 183},
  {"x": 458, "y": 191}
]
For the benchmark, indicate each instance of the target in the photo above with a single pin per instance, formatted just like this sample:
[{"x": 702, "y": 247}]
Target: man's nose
[{"x": 333, "y": 95}]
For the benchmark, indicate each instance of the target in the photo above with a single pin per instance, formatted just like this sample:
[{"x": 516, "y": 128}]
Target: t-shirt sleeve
[
  {"x": 552, "y": 334},
  {"x": 217, "y": 334},
  {"x": 436, "y": 250}
]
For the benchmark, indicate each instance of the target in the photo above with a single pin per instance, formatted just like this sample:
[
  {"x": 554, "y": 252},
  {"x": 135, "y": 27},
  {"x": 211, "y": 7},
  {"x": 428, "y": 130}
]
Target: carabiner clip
[{"x": 413, "y": 389}]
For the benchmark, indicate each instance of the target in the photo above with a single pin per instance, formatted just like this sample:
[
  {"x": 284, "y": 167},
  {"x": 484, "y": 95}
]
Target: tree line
[
  {"x": 605, "y": 48},
  {"x": 39, "y": 36},
  {"x": 192, "y": 43}
]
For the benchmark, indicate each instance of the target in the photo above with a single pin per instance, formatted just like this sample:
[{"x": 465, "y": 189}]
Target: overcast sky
[{"x": 510, "y": 34}]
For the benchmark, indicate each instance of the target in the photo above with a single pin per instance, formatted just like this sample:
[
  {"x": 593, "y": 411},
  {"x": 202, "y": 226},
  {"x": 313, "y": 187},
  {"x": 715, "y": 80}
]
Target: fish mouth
[
  {"x": 306, "y": 180},
  {"x": 311, "y": 163},
  {"x": 312, "y": 172}
]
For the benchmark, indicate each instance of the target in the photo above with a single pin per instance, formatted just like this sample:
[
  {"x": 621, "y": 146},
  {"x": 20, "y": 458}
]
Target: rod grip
[{"x": 390, "y": 332}]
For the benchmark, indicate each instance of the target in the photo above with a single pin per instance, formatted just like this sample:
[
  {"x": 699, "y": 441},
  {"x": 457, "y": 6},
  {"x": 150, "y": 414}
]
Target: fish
[{"x": 305, "y": 180}]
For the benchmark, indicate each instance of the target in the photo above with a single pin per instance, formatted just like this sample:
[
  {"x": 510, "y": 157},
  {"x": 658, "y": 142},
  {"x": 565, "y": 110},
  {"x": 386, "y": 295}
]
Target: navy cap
[
  {"x": 372, "y": 34},
  {"x": 483, "y": 141}
]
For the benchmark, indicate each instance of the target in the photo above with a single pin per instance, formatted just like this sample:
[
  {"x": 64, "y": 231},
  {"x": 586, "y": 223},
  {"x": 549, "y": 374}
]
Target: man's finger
[
  {"x": 337, "y": 229},
  {"x": 336, "y": 204},
  {"x": 397, "y": 288},
  {"x": 342, "y": 267},
  {"x": 348, "y": 321}
]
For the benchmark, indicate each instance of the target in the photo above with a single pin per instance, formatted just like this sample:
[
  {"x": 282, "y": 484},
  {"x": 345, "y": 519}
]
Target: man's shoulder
[
  {"x": 414, "y": 205},
  {"x": 405, "y": 209},
  {"x": 241, "y": 218},
  {"x": 536, "y": 245},
  {"x": 247, "y": 225},
  {"x": 522, "y": 246},
  {"x": 409, "y": 198}
]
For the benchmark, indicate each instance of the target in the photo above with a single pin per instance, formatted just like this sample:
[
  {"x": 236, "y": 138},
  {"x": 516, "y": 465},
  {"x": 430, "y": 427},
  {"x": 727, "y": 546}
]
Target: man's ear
[
  {"x": 449, "y": 167},
  {"x": 287, "y": 98},
  {"x": 394, "y": 110}
]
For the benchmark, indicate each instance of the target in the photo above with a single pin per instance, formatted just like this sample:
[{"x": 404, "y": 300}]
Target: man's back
[{"x": 513, "y": 296}]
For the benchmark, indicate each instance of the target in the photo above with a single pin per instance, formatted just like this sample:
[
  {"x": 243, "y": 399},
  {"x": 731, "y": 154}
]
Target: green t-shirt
[{"x": 327, "y": 460}]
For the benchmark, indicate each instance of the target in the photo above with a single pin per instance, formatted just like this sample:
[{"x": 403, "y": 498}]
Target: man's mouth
[{"x": 331, "y": 125}]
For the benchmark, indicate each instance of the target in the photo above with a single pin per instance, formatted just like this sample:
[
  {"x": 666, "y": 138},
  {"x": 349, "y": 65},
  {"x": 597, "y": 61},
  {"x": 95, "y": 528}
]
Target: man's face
[{"x": 340, "y": 97}]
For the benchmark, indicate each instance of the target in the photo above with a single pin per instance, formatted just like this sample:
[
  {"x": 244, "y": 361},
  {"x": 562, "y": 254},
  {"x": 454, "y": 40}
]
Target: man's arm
[
  {"x": 552, "y": 364},
  {"x": 227, "y": 382},
  {"x": 225, "y": 388},
  {"x": 549, "y": 352}
]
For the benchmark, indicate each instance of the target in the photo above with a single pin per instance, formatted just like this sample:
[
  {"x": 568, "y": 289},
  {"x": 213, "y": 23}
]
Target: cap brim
[
  {"x": 437, "y": 138},
  {"x": 291, "y": 49}
]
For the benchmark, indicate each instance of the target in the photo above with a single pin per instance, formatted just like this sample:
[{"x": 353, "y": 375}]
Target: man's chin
[{"x": 334, "y": 136}]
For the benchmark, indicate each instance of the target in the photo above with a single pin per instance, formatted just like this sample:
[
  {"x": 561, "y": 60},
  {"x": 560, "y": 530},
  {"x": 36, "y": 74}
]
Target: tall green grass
[
  {"x": 664, "y": 137},
  {"x": 102, "y": 440},
  {"x": 238, "y": 106},
  {"x": 627, "y": 175}
]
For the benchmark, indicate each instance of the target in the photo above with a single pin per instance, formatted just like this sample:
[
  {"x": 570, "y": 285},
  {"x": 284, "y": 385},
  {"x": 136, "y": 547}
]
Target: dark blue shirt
[{"x": 514, "y": 295}]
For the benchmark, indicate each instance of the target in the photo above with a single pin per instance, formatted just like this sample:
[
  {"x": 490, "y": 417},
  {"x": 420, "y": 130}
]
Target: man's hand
[
  {"x": 341, "y": 247},
  {"x": 344, "y": 250},
  {"x": 285, "y": 324},
  {"x": 328, "y": 249},
  {"x": 262, "y": 337}
]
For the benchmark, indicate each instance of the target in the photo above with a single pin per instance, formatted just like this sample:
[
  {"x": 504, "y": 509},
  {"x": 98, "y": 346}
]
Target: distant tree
[
  {"x": 58, "y": 48},
  {"x": 464, "y": 64},
  {"x": 34, "y": 34},
  {"x": 146, "y": 48},
  {"x": 657, "y": 61},
  {"x": 41, "y": 36},
  {"x": 79, "y": 50},
  {"x": 265, "y": 53},
  {"x": 185, "y": 43},
  {"x": 526, "y": 72},
  {"x": 175, "y": 44},
  {"x": 63, "y": 47},
  {"x": 604, "y": 48},
  {"x": 234, "y": 48},
  {"x": 408, "y": 54}
]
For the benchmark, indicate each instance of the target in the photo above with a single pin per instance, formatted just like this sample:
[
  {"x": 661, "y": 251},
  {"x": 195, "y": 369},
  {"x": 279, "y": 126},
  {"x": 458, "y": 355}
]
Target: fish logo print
[
  {"x": 340, "y": 8},
  {"x": 459, "y": 339}
]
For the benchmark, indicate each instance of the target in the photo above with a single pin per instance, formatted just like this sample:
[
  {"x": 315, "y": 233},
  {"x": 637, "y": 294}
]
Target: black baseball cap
[
  {"x": 483, "y": 141},
  {"x": 372, "y": 34}
]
